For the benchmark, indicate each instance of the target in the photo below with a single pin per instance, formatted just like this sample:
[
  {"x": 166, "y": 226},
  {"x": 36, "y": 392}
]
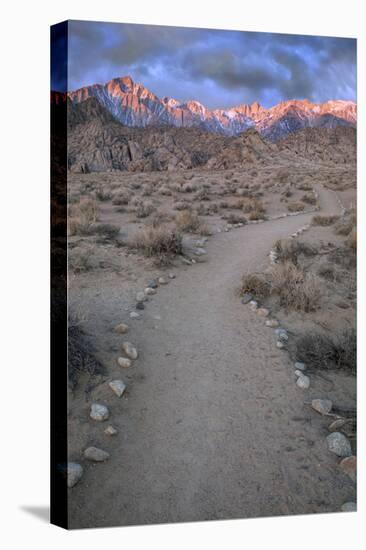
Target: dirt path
[{"x": 214, "y": 426}]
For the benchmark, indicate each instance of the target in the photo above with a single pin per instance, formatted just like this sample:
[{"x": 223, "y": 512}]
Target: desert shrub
[
  {"x": 181, "y": 205},
  {"x": 146, "y": 190},
  {"x": 80, "y": 358},
  {"x": 120, "y": 198},
  {"x": 234, "y": 218},
  {"x": 283, "y": 175},
  {"x": 324, "y": 220},
  {"x": 103, "y": 194},
  {"x": 82, "y": 216},
  {"x": 256, "y": 284},
  {"x": 287, "y": 192},
  {"x": 164, "y": 190},
  {"x": 258, "y": 212},
  {"x": 288, "y": 250},
  {"x": 344, "y": 228},
  {"x": 106, "y": 230},
  {"x": 309, "y": 199},
  {"x": 143, "y": 209},
  {"x": 295, "y": 289},
  {"x": 202, "y": 195},
  {"x": 297, "y": 206},
  {"x": 188, "y": 188},
  {"x": 160, "y": 242},
  {"x": 327, "y": 271},
  {"x": 187, "y": 220},
  {"x": 223, "y": 204},
  {"x": 80, "y": 259},
  {"x": 304, "y": 187},
  {"x": 320, "y": 351}
]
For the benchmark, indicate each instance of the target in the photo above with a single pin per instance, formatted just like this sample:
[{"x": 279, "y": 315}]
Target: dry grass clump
[
  {"x": 106, "y": 230},
  {"x": 295, "y": 289},
  {"x": 297, "y": 206},
  {"x": 80, "y": 259},
  {"x": 103, "y": 194},
  {"x": 188, "y": 221},
  {"x": 324, "y": 220},
  {"x": 309, "y": 198},
  {"x": 82, "y": 216},
  {"x": 304, "y": 187},
  {"x": 289, "y": 250},
  {"x": 256, "y": 284},
  {"x": 81, "y": 357},
  {"x": 142, "y": 209},
  {"x": 202, "y": 195},
  {"x": 182, "y": 205},
  {"x": 283, "y": 175},
  {"x": 164, "y": 190},
  {"x": 255, "y": 208},
  {"x": 120, "y": 198},
  {"x": 160, "y": 242},
  {"x": 320, "y": 351},
  {"x": 233, "y": 218}
]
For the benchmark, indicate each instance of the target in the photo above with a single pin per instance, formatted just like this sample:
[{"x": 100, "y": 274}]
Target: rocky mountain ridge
[
  {"x": 133, "y": 104},
  {"x": 97, "y": 142}
]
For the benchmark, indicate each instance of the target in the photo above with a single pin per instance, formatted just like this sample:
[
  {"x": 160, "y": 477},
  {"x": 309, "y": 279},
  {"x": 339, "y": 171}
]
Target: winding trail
[{"x": 214, "y": 426}]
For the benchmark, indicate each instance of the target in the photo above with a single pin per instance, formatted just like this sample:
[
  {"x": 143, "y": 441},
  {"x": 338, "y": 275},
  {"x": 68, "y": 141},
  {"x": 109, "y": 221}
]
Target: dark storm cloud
[{"x": 218, "y": 68}]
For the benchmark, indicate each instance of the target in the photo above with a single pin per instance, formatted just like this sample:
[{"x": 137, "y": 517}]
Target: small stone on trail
[
  {"x": 150, "y": 291},
  {"x": 140, "y": 305},
  {"x": 152, "y": 284},
  {"x": 303, "y": 382},
  {"x": 122, "y": 328},
  {"x": 199, "y": 251},
  {"x": 74, "y": 473},
  {"x": 272, "y": 323},
  {"x": 135, "y": 315},
  {"x": 300, "y": 366},
  {"x": 349, "y": 466},
  {"x": 171, "y": 276},
  {"x": 124, "y": 362},
  {"x": 253, "y": 305},
  {"x": 129, "y": 350},
  {"x": 349, "y": 507},
  {"x": 339, "y": 444},
  {"x": 140, "y": 297},
  {"x": 99, "y": 412},
  {"x": 118, "y": 387},
  {"x": 246, "y": 298},
  {"x": 322, "y": 406},
  {"x": 162, "y": 281},
  {"x": 298, "y": 373},
  {"x": 337, "y": 424},
  {"x": 262, "y": 312},
  {"x": 95, "y": 454},
  {"x": 110, "y": 430},
  {"x": 280, "y": 344},
  {"x": 281, "y": 334}
]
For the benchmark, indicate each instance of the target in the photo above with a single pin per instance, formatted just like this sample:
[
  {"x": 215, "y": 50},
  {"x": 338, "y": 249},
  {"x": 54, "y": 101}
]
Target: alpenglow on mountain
[{"x": 134, "y": 105}]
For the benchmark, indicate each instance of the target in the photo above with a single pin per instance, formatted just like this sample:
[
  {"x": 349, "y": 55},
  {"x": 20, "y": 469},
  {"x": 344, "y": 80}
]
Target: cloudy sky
[{"x": 217, "y": 68}]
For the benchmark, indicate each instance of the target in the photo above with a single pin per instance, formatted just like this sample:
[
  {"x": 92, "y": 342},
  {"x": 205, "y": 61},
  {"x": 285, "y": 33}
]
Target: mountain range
[{"x": 133, "y": 105}]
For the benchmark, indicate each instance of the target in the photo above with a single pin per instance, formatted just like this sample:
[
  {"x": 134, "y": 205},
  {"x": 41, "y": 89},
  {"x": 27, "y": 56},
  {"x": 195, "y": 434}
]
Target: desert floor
[{"x": 212, "y": 424}]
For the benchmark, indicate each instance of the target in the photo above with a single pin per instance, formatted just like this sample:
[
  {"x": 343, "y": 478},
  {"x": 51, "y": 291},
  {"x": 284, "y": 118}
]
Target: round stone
[
  {"x": 140, "y": 297},
  {"x": 95, "y": 455},
  {"x": 124, "y": 362},
  {"x": 349, "y": 466},
  {"x": 272, "y": 323},
  {"x": 130, "y": 350},
  {"x": 99, "y": 412},
  {"x": 135, "y": 315},
  {"x": 110, "y": 430},
  {"x": 74, "y": 473},
  {"x": 118, "y": 387},
  {"x": 263, "y": 312},
  {"x": 339, "y": 444},
  {"x": 300, "y": 366},
  {"x": 303, "y": 382},
  {"x": 150, "y": 291},
  {"x": 322, "y": 406},
  {"x": 122, "y": 328}
]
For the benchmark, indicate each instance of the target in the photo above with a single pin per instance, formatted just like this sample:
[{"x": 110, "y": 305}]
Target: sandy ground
[{"x": 212, "y": 425}]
